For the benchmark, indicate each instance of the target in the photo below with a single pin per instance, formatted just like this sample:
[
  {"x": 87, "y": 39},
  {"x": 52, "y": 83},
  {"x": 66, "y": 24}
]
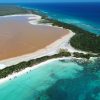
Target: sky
[{"x": 11, "y": 1}]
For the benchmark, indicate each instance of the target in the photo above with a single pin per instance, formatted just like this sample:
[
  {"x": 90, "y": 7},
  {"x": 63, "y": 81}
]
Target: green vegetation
[
  {"x": 83, "y": 40},
  {"x": 18, "y": 67},
  {"x": 11, "y": 9},
  {"x": 81, "y": 55}
]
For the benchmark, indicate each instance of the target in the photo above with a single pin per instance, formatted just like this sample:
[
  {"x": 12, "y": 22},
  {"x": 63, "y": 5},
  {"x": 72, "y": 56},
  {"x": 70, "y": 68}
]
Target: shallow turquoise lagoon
[{"x": 59, "y": 80}]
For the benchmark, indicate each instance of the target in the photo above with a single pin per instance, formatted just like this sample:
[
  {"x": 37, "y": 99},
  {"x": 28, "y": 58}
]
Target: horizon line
[{"x": 55, "y": 2}]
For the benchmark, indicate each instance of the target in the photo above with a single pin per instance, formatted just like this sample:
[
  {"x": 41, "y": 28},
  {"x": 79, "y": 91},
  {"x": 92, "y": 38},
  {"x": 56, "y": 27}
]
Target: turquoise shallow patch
[{"x": 53, "y": 81}]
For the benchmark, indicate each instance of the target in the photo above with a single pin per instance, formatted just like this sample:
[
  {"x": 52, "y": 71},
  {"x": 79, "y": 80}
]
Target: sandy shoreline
[{"x": 26, "y": 70}]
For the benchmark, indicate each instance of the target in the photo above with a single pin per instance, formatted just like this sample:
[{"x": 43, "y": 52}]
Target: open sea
[
  {"x": 61, "y": 79},
  {"x": 84, "y": 15}
]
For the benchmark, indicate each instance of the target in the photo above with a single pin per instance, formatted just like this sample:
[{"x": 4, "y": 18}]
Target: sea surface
[
  {"x": 62, "y": 79},
  {"x": 84, "y": 15},
  {"x": 57, "y": 80}
]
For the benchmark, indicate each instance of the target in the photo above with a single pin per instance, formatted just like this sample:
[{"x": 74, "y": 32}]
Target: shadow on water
[
  {"x": 84, "y": 87},
  {"x": 64, "y": 89}
]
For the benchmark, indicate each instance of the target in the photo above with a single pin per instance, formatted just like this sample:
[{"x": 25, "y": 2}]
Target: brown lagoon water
[{"x": 18, "y": 37}]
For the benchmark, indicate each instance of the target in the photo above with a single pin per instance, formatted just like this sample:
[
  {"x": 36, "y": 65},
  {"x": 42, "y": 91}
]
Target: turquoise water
[
  {"x": 58, "y": 80},
  {"x": 84, "y": 15}
]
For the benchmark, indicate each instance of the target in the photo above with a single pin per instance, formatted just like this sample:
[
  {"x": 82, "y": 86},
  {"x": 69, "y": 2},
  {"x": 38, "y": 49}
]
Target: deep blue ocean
[{"x": 84, "y": 15}]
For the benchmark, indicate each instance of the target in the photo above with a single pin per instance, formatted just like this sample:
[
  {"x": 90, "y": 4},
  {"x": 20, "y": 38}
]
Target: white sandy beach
[{"x": 26, "y": 70}]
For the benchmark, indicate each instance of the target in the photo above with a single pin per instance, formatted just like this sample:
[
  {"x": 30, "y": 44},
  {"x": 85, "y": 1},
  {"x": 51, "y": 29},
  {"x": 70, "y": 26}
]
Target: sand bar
[{"x": 26, "y": 70}]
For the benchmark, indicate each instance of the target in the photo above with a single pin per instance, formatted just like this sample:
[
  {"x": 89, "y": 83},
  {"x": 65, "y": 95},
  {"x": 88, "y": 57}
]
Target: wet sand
[{"x": 18, "y": 37}]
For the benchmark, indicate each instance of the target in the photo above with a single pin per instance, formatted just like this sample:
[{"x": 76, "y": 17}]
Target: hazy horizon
[{"x": 45, "y": 1}]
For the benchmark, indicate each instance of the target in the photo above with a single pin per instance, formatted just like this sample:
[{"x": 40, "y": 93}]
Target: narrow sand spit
[{"x": 26, "y": 70}]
